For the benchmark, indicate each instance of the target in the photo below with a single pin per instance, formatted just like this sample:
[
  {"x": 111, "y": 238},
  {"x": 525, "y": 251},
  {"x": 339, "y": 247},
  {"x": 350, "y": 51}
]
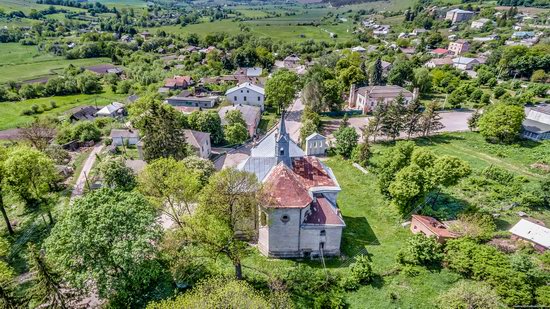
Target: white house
[
  {"x": 200, "y": 141},
  {"x": 464, "y": 63},
  {"x": 536, "y": 125},
  {"x": 316, "y": 145},
  {"x": 367, "y": 98},
  {"x": 114, "y": 109},
  {"x": 124, "y": 137},
  {"x": 458, "y": 15},
  {"x": 246, "y": 94}
]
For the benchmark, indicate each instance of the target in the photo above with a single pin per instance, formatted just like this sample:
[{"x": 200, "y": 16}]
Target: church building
[{"x": 298, "y": 216}]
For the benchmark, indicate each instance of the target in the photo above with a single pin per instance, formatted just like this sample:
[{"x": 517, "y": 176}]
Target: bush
[
  {"x": 86, "y": 131},
  {"x": 470, "y": 294},
  {"x": 361, "y": 154},
  {"x": 412, "y": 270},
  {"x": 501, "y": 123},
  {"x": 421, "y": 250},
  {"x": 360, "y": 273}
]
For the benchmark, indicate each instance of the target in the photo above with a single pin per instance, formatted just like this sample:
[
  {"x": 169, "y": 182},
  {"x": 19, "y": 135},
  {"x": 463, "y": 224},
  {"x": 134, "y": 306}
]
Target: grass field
[
  {"x": 11, "y": 111},
  {"x": 27, "y": 5},
  {"x": 20, "y": 63}
]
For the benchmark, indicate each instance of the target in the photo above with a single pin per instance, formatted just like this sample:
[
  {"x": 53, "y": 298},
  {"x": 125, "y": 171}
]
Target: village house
[
  {"x": 537, "y": 235},
  {"x": 246, "y": 94},
  {"x": 121, "y": 137},
  {"x": 112, "y": 110},
  {"x": 82, "y": 113},
  {"x": 459, "y": 47},
  {"x": 102, "y": 69},
  {"x": 438, "y": 62},
  {"x": 178, "y": 82},
  {"x": 200, "y": 142},
  {"x": 386, "y": 67},
  {"x": 440, "y": 52},
  {"x": 359, "y": 49},
  {"x": 381, "y": 30},
  {"x": 536, "y": 125},
  {"x": 249, "y": 72},
  {"x": 291, "y": 61},
  {"x": 251, "y": 114},
  {"x": 299, "y": 216},
  {"x": 480, "y": 23},
  {"x": 465, "y": 63},
  {"x": 367, "y": 98},
  {"x": 458, "y": 15},
  {"x": 145, "y": 35},
  {"x": 187, "y": 100},
  {"x": 316, "y": 145},
  {"x": 431, "y": 227}
]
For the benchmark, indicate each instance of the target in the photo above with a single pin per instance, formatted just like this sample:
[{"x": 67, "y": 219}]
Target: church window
[
  {"x": 323, "y": 233},
  {"x": 285, "y": 218},
  {"x": 282, "y": 152}
]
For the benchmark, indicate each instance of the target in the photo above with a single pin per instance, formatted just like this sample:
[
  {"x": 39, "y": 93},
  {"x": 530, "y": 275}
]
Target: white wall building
[
  {"x": 246, "y": 94},
  {"x": 316, "y": 145},
  {"x": 367, "y": 98}
]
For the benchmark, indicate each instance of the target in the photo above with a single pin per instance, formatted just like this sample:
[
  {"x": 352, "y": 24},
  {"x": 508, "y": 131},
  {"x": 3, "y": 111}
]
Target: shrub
[
  {"x": 86, "y": 131},
  {"x": 421, "y": 250},
  {"x": 360, "y": 273},
  {"x": 470, "y": 294},
  {"x": 501, "y": 123}
]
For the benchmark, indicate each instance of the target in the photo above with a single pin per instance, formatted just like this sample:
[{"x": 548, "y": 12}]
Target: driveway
[{"x": 81, "y": 181}]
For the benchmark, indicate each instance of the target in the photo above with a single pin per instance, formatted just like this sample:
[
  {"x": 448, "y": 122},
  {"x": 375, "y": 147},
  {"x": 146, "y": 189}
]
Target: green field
[
  {"x": 27, "y": 5},
  {"x": 11, "y": 111},
  {"x": 20, "y": 63}
]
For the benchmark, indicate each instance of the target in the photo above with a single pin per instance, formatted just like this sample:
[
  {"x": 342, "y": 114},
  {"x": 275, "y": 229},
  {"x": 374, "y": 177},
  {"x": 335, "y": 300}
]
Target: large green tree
[
  {"x": 108, "y": 237},
  {"x": 225, "y": 216},
  {"x": 171, "y": 186},
  {"x": 116, "y": 174},
  {"x": 207, "y": 121},
  {"x": 470, "y": 294},
  {"x": 346, "y": 141},
  {"x": 280, "y": 89},
  {"x": 501, "y": 122},
  {"x": 162, "y": 128},
  {"x": 3, "y": 156}
]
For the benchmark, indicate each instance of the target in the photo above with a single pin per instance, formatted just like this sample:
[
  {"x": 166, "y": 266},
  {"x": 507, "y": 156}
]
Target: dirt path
[{"x": 81, "y": 181}]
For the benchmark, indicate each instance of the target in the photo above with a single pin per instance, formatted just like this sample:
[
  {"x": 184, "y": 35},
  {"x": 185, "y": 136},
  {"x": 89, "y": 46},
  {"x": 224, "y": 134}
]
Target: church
[{"x": 298, "y": 216}]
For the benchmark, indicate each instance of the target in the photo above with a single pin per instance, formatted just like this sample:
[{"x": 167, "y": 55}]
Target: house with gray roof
[
  {"x": 367, "y": 98},
  {"x": 124, "y": 137},
  {"x": 246, "y": 94},
  {"x": 536, "y": 125},
  {"x": 251, "y": 114},
  {"x": 200, "y": 142},
  {"x": 458, "y": 15},
  {"x": 112, "y": 110},
  {"x": 465, "y": 63}
]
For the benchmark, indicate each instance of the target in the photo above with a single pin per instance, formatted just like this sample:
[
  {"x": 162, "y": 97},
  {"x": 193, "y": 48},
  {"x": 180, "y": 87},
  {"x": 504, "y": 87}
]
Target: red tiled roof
[
  {"x": 285, "y": 190},
  {"x": 439, "y": 51},
  {"x": 311, "y": 172},
  {"x": 322, "y": 212},
  {"x": 178, "y": 81},
  {"x": 435, "y": 226}
]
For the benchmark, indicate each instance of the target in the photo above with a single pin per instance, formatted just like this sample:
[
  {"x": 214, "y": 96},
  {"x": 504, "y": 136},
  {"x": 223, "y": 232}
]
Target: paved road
[
  {"x": 294, "y": 114},
  {"x": 81, "y": 181}
]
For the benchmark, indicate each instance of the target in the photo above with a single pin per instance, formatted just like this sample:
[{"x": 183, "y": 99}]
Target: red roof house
[{"x": 431, "y": 227}]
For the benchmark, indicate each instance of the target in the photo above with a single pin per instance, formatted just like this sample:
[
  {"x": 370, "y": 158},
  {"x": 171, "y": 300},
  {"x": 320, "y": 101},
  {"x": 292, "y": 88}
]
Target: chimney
[{"x": 352, "y": 96}]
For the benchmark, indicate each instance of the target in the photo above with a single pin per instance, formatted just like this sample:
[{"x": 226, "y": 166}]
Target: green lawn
[
  {"x": 11, "y": 111},
  {"x": 27, "y": 5},
  {"x": 20, "y": 63}
]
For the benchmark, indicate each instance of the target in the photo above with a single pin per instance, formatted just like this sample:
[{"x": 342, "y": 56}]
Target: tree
[
  {"x": 351, "y": 75},
  {"x": 423, "y": 80},
  {"x": 3, "y": 157},
  {"x": 108, "y": 237},
  {"x": 392, "y": 121},
  {"x": 235, "y": 117},
  {"x": 421, "y": 250},
  {"x": 412, "y": 117},
  {"x": 116, "y": 175},
  {"x": 221, "y": 292},
  {"x": 501, "y": 123},
  {"x": 47, "y": 288},
  {"x": 430, "y": 120},
  {"x": 408, "y": 188},
  {"x": 376, "y": 78},
  {"x": 472, "y": 121},
  {"x": 400, "y": 73},
  {"x": 391, "y": 162},
  {"x": 312, "y": 95},
  {"x": 202, "y": 167},
  {"x": 162, "y": 128},
  {"x": 346, "y": 141},
  {"x": 280, "y": 89},
  {"x": 85, "y": 131},
  {"x": 361, "y": 154},
  {"x": 225, "y": 215},
  {"x": 7, "y": 276},
  {"x": 310, "y": 124},
  {"x": 39, "y": 133},
  {"x": 209, "y": 122},
  {"x": 31, "y": 176},
  {"x": 171, "y": 187},
  {"x": 470, "y": 294},
  {"x": 236, "y": 133}
]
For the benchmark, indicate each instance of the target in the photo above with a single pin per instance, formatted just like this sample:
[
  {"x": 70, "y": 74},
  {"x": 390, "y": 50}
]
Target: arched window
[{"x": 323, "y": 233}]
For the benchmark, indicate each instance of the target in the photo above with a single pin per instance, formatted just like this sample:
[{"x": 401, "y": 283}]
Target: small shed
[
  {"x": 124, "y": 137},
  {"x": 536, "y": 234},
  {"x": 316, "y": 145}
]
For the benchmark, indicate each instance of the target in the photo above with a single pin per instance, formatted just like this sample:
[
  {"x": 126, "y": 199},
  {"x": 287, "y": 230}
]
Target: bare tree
[{"x": 39, "y": 133}]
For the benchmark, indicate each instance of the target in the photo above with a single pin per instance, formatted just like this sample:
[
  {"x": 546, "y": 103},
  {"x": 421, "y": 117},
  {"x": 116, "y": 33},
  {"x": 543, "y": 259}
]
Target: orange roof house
[{"x": 431, "y": 227}]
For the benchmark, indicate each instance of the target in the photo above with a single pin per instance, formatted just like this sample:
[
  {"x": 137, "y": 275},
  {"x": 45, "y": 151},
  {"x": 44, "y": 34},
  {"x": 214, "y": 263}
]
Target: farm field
[
  {"x": 20, "y": 63},
  {"x": 11, "y": 111},
  {"x": 27, "y": 5}
]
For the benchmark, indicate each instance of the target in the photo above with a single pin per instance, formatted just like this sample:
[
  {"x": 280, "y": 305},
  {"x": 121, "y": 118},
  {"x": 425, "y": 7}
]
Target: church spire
[{"x": 282, "y": 142}]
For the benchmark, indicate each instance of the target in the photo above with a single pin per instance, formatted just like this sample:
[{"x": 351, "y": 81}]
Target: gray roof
[
  {"x": 123, "y": 133},
  {"x": 111, "y": 108},
  {"x": 260, "y": 166},
  {"x": 266, "y": 147},
  {"x": 545, "y": 109},
  {"x": 250, "y": 113},
  {"x": 196, "y": 138},
  {"x": 316, "y": 136},
  {"x": 384, "y": 91},
  {"x": 535, "y": 126},
  {"x": 247, "y": 85}
]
